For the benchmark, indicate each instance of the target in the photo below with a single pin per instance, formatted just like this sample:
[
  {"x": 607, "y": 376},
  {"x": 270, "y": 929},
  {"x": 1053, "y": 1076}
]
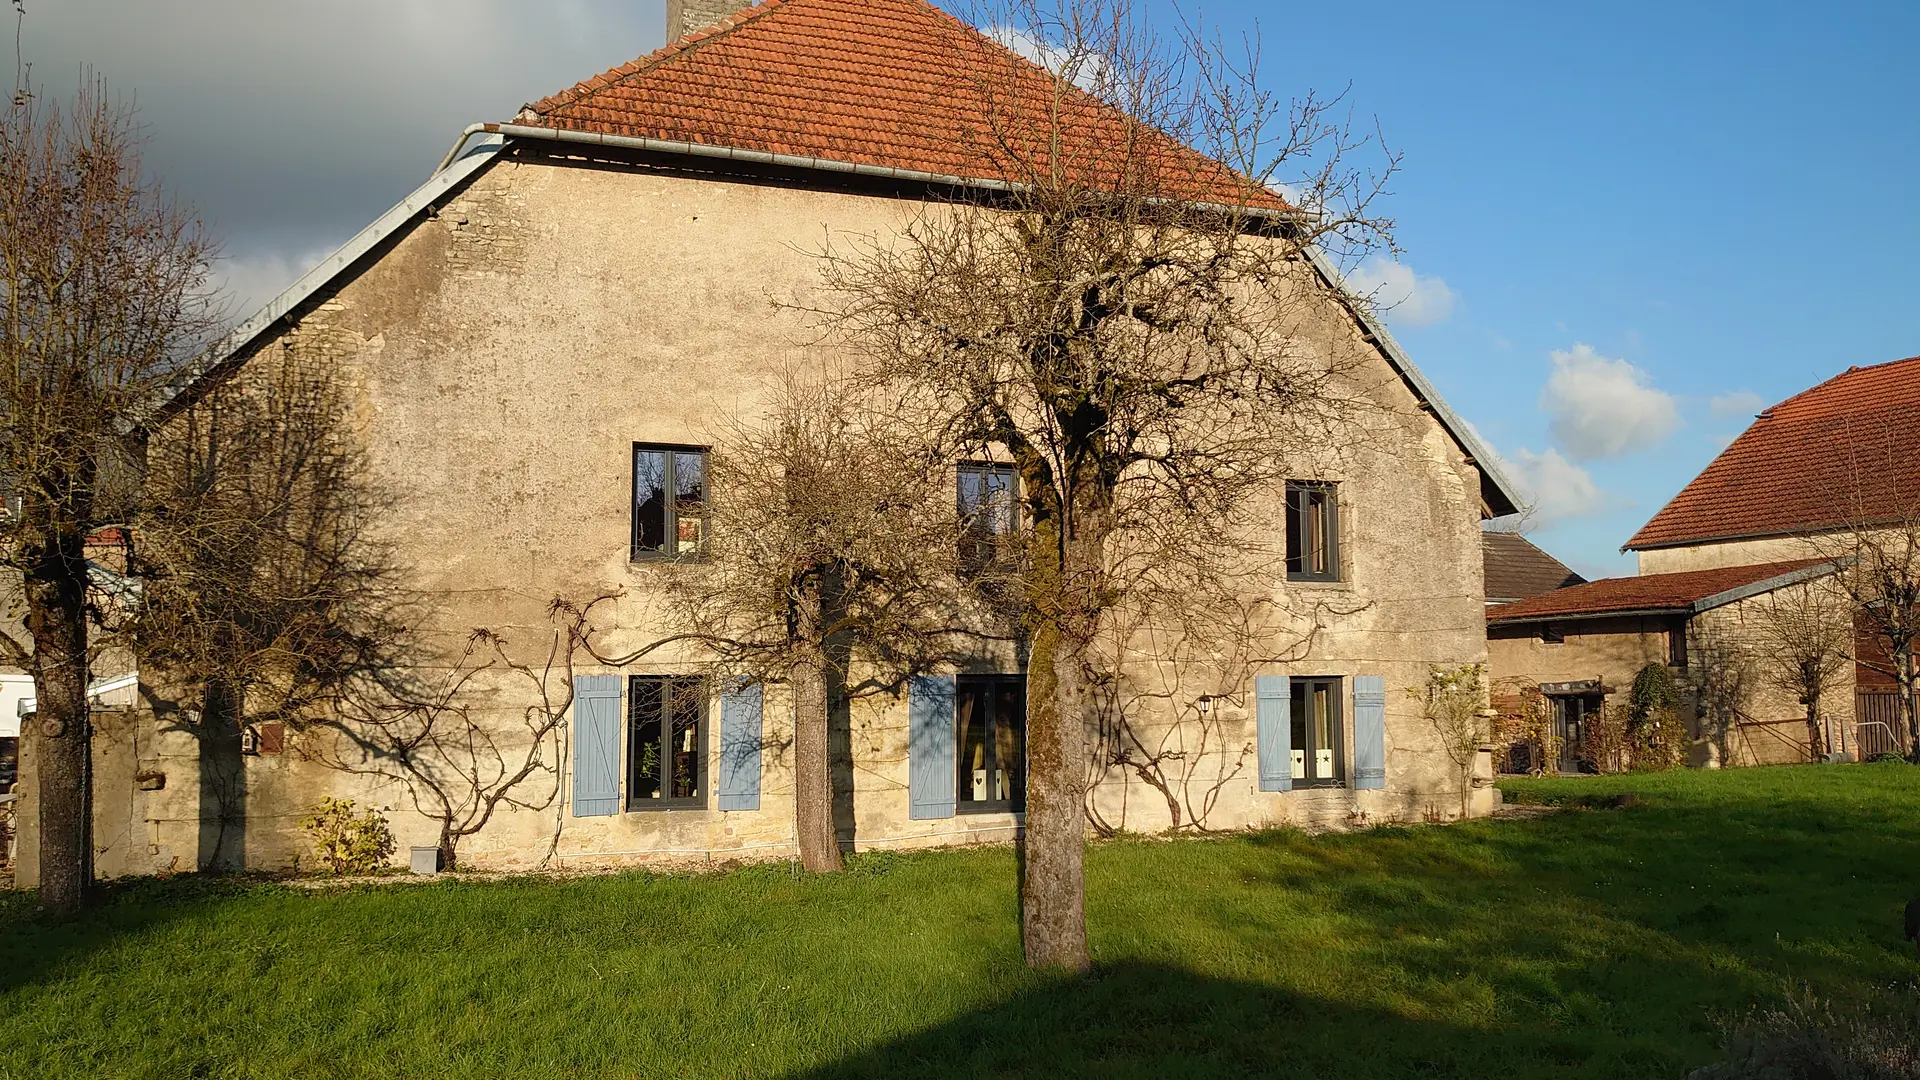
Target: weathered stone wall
[{"x": 505, "y": 354}]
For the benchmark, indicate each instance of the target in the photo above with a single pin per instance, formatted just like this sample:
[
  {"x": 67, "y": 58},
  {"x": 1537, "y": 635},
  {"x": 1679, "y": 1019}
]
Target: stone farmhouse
[
  {"x": 537, "y": 342},
  {"x": 1766, "y": 520}
]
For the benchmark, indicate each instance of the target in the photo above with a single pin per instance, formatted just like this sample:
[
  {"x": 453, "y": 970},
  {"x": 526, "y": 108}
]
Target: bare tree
[
  {"x": 1804, "y": 641},
  {"x": 104, "y": 284},
  {"x": 1720, "y": 676},
  {"x": 834, "y": 543},
  {"x": 1128, "y": 321},
  {"x": 449, "y": 744},
  {"x": 1880, "y": 576},
  {"x": 265, "y": 601}
]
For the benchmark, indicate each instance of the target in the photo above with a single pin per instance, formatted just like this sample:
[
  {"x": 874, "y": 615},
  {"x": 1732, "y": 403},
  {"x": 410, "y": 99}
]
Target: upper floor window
[
  {"x": 666, "y": 741},
  {"x": 985, "y": 497},
  {"x": 1318, "y": 760},
  {"x": 669, "y": 500},
  {"x": 991, "y": 712},
  {"x": 1313, "y": 531}
]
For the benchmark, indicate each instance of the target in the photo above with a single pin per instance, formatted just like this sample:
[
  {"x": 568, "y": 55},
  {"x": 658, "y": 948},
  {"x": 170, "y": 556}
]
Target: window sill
[
  {"x": 975, "y": 809},
  {"x": 653, "y": 558},
  {"x": 1320, "y": 583},
  {"x": 655, "y": 806},
  {"x": 1319, "y": 785}
]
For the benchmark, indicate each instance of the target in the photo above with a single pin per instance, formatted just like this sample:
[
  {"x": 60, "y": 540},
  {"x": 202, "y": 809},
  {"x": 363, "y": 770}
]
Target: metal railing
[{"x": 1877, "y": 724}]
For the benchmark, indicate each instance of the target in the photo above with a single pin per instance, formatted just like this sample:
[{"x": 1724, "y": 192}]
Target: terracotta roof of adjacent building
[
  {"x": 1516, "y": 569},
  {"x": 1845, "y": 452},
  {"x": 1683, "y": 593},
  {"x": 896, "y": 84}
]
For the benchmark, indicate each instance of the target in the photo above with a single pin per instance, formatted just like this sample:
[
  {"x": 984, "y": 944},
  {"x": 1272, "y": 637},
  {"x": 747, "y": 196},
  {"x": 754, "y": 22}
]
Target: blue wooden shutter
[
  {"x": 1273, "y": 721},
  {"x": 740, "y": 743},
  {"x": 1370, "y": 732},
  {"x": 930, "y": 739},
  {"x": 596, "y": 745}
]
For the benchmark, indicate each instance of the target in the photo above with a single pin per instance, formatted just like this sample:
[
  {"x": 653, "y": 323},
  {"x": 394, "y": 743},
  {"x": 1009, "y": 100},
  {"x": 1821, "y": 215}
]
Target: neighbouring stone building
[
  {"x": 1772, "y": 515},
  {"x": 538, "y": 342}
]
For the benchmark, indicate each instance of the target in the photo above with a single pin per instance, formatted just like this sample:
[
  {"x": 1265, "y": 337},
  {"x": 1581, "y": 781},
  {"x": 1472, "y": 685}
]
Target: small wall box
[{"x": 426, "y": 860}]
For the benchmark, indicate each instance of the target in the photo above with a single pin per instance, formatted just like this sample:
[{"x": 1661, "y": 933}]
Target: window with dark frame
[
  {"x": 1553, "y": 633},
  {"x": 669, "y": 501},
  {"x": 991, "y": 714},
  {"x": 666, "y": 742},
  {"x": 1318, "y": 758},
  {"x": 984, "y": 494},
  {"x": 1677, "y": 644},
  {"x": 1313, "y": 531}
]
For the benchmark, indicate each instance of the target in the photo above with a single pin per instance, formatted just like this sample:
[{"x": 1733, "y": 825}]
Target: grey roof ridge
[
  {"x": 1778, "y": 581},
  {"x": 1478, "y": 453}
]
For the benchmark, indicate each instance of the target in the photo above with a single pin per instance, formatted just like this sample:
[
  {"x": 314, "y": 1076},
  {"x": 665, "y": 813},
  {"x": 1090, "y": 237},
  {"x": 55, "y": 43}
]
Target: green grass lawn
[{"x": 1583, "y": 943}]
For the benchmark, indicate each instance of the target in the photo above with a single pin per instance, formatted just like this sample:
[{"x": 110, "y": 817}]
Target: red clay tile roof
[
  {"x": 1649, "y": 592},
  {"x": 891, "y": 83},
  {"x": 1846, "y": 451},
  {"x": 1516, "y": 569}
]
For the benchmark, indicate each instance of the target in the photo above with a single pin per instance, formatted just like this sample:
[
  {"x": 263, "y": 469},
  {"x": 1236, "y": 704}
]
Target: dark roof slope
[
  {"x": 1684, "y": 593},
  {"x": 1516, "y": 569},
  {"x": 896, "y": 84},
  {"x": 1845, "y": 452}
]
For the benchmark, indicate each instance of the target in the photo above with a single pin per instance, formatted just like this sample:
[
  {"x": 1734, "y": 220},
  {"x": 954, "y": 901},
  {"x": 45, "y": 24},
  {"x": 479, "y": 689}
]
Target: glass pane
[
  {"x": 970, "y": 709},
  {"x": 1296, "y": 554},
  {"x": 986, "y": 498},
  {"x": 650, "y": 500},
  {"x": 643, "y": 741},
  {"x": 1009, "y": 781},
  {"x": 1315, "y": 524},
  {"x": 689, "y": 501},
  {"x": 1322, "y": 732},
  {"x": 1299, "y": 704},
  {"x": 683, "y": 737}
]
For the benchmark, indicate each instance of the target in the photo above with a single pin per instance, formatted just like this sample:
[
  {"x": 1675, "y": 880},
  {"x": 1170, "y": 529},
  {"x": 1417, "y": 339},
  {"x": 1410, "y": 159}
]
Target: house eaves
[
  {"x": 1781, "y": 581},
  {"x": 1498, "y": 495}
]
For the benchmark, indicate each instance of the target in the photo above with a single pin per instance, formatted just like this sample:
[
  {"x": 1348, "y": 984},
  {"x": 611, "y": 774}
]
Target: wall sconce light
[{"x": 1205, "y": 703}]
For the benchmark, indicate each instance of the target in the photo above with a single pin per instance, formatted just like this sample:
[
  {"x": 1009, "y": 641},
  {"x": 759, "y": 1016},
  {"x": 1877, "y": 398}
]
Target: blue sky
[
  {"x": 1721, "y": 196},
  {"x": 1626, "y": 228}
]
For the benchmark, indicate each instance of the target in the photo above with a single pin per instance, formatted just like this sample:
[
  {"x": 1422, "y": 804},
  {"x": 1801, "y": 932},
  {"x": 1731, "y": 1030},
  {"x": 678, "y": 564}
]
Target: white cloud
[
  {"x": 1085, "y": 70},
  {"x": 1552, "y": 489},
  {"x": 246, "y": 282},
  {"x": 1736, "y": 403},
  {"x": 1557, "y": 489},
  {"x": 1605, "y": 408},
  {"x": 1406, "y": 297}
]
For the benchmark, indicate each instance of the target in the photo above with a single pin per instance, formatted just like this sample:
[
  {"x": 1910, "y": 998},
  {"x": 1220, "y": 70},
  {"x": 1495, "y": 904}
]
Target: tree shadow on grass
[
  {"x": 1145, "y": 1020},
  {"x": 36, "y": 948}
]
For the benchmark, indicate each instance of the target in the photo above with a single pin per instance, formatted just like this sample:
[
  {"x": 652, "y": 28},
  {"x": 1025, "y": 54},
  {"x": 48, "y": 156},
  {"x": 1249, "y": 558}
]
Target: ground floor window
[
  {"x": 1317, "y": 757},
  {"x": 991, "y": 711},
  {"x": 666, "y": 741}
]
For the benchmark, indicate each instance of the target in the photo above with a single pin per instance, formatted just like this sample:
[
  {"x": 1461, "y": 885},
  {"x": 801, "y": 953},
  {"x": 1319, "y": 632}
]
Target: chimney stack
[{"x": 691, "y": 16}]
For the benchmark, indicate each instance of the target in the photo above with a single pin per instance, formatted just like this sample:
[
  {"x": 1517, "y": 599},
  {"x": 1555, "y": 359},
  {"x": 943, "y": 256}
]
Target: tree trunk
[
  {"x": 1065, "y": 578},
  {"x": 56, "y": 618},
  {"x": 1903, "y": 674},
  {"x": 1816, "y": 745},
  {"x": 812, "y": 768}
]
